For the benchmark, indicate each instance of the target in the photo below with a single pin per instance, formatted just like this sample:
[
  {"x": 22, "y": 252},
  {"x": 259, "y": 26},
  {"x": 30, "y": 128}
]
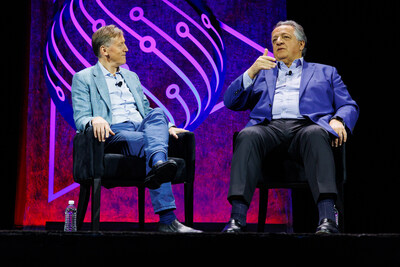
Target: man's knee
[
  {"x": 157, "y": 113},
  {"x": 249, "y": 135},
  {"x": 315, "y": 132}
]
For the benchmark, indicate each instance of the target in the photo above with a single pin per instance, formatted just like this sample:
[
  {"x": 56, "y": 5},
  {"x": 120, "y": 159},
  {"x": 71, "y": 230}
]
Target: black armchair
[
  {"x": 92, "y": 168},
  {"x": 280, "y": 171}
]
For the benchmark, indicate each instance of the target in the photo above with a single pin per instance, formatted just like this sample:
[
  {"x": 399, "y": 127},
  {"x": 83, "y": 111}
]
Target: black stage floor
[{"x": 130, "y": 247}]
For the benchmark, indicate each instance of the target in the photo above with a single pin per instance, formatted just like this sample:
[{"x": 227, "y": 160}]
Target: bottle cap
[{"x": 71, "y": 202}]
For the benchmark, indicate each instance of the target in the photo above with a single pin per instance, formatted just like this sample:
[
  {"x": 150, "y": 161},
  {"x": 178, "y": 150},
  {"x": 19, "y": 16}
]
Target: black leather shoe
[
  {"x": 327, "y": 226},
  {"x": 176, "y": 227},
  {"x": 233, "y": 226},
  {"x": 162, "y": 172}
]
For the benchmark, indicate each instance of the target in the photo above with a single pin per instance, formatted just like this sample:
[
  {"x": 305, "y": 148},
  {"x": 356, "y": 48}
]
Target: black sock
[
  {"x": 239, "y": 211},
  {"x": 167, "y": 216}
]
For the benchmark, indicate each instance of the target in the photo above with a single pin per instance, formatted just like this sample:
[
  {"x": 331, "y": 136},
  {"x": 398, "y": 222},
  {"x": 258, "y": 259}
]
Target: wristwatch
[{"x": 339, "y": 119}]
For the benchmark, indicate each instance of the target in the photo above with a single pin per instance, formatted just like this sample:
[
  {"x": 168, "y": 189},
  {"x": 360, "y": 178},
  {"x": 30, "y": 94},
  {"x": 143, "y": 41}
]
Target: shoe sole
[{"x": 164, "y": 174}]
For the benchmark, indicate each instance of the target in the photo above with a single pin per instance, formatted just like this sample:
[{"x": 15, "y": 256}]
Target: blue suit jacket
[
  {"x": 322, "y": 96},
  {"x": 90, "y": 96}
]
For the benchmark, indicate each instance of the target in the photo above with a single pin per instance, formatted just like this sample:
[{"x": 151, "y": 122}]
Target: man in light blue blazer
[
  {"x": 304, "y": 107},
  {"x": 111, "y": 100}
]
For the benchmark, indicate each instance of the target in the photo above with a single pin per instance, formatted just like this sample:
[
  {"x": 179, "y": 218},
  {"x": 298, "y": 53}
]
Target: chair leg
[
  {"x": 262, "y": 209},
  {"x": 141, "y": 202},
  {"x": 141, "y": 206},
  {"x": 340, "y": 207},
  {"x": 96, "y": 196},
  {"x": 84, "y": 195},
  {"x": 188, "y": 195}
]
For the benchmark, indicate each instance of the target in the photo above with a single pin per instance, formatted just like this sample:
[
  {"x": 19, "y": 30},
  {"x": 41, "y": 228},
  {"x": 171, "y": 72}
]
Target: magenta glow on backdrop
[{"x": 185, "y": 53}]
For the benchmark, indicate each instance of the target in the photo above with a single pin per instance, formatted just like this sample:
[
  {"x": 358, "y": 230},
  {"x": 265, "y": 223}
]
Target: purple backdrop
[{"x": 186, "y": 53}]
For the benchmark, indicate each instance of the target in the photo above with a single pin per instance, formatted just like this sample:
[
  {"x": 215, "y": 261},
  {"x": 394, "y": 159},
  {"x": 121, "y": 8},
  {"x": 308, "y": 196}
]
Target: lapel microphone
[
  {"x": 119, "y": 84},
  {"x": 289, "y": 73}
]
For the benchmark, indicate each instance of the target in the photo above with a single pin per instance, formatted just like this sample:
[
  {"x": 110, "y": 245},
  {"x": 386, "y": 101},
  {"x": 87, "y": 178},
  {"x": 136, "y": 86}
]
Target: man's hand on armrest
[{"x": 101, "y": 129}]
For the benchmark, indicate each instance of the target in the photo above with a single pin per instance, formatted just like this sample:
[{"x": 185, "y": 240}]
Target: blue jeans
[{"x": 144, "y": 139}]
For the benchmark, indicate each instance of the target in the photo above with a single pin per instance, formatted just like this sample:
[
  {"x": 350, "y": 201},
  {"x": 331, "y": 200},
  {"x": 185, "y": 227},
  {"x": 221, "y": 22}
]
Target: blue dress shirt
[
  {"x": 123, "y": 104},
  {"x": 286, "y": 99}
]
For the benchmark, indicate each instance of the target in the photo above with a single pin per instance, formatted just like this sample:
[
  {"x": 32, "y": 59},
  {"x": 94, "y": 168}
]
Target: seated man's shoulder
[
  {"x": 326, "y": 69},
  {"x": 84, "y": 72},
  {"x": 130, "y": 73},
  {"x": 320, "y": 65}
]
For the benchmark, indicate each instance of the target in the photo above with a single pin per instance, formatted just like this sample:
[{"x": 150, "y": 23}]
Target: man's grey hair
[
  {"x": 103, "y": 36},
  {"x": 298, "y": 32}
]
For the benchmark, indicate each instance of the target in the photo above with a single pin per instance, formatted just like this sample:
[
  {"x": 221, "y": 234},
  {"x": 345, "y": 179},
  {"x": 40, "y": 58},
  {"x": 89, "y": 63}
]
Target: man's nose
[{"x": 279, "y": 41}]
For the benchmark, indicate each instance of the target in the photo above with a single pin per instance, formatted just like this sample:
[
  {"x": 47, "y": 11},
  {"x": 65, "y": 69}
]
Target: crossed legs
[{"x": 147, "y": 139}]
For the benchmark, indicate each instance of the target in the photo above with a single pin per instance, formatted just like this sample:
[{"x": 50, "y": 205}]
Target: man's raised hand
[{"x": 263, "y": 62}]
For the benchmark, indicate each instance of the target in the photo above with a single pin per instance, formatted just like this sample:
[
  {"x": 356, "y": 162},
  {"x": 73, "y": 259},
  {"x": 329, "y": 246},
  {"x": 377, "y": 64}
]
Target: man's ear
[
  {"x": 103, "y": 51},
  {"x": 302, "y": 44}
]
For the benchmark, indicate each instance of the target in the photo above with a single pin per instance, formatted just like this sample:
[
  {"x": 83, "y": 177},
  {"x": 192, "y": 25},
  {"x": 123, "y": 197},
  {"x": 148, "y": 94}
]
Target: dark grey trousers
[{"x": 304, "y": 140}]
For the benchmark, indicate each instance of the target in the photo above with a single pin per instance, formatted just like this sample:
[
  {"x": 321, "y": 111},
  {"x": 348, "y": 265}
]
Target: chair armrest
[
  {"x": 88, "y": 155},
  {"x": 339, "y": 154},
  {"x": 344, "y": 167},
  {"x": 184, "y": 147}
]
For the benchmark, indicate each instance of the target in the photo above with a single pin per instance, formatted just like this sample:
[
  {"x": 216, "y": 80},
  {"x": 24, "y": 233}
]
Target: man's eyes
[{"x": 286, "y": 37}]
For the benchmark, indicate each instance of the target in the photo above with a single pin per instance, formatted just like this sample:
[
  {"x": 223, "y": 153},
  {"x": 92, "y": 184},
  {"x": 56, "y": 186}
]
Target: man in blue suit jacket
[
  {"x": 111, "y": 100},
  {"x": 304, "y": 107}
]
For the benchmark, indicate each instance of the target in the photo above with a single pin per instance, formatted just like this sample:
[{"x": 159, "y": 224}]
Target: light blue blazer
[{"x": 90, "y": 96}]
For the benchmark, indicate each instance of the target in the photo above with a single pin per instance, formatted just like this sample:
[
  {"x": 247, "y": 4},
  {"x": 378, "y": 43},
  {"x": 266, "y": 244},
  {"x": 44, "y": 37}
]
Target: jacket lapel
[
  {"x": 101, "y": 84},
  {"x": 270, "y": 78},
  {"x": 133, "y": 86},
  {"x": 307, "y": 73}
]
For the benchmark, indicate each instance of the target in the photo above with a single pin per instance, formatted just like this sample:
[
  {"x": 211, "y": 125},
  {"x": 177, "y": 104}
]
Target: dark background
[{"x": 359, "y": 38}]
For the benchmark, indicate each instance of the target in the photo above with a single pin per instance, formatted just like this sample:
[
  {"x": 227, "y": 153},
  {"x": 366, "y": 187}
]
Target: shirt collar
[
  {"x": 296, "y": 63},
  {"x": 106, "y": 72}
]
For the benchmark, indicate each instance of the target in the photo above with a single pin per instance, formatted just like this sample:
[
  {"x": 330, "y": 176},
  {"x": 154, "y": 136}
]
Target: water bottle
[{"x": 70, "y": 217}]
